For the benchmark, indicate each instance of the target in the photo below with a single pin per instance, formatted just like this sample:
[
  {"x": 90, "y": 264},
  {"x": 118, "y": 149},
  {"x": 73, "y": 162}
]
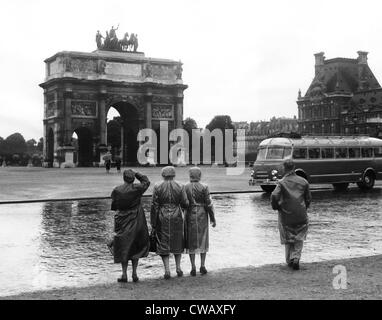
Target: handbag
[{"x": 153, "y": 241}]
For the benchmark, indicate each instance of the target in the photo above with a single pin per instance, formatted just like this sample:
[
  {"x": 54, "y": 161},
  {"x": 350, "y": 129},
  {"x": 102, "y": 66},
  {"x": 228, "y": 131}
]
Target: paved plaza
[{"x": 21, "y": 183}]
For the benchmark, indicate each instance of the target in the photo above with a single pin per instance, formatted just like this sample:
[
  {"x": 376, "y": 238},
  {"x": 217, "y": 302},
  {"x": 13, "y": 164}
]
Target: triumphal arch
[{"x": 80, "y": 88}]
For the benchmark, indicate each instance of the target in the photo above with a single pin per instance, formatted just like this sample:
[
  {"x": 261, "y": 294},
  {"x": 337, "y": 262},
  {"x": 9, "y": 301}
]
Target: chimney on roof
[
  {"x": 319, "y": 58},
  {"x": 362, "y": 70},
  {"x": 362, "y": 57}
]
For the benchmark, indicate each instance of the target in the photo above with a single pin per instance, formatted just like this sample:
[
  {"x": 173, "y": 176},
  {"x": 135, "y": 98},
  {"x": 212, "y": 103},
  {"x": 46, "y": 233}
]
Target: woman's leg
[
  {"x": 203, "y": 259},
  {"x": 178, "y": 258},
  {"x": 124, "y": 272},
  {"x": 203, "y": 269},
  {"x": 135, "y": 266},
  {"x": 193, "y": 267},
  {"x": 166, "y": 264}
]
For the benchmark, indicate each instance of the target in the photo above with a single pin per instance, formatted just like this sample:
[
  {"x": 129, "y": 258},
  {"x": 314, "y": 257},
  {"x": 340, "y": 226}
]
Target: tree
[
  {"x": 1, "y": 145},
  {"x": 188, "y": 125},
  {"x": 40, "y": 145},
  {"x": 31, "y": 146},
  {"x": 15, "y": 144},
  {"x": 114, "y": 132},
  {"x": 221, "y": 122}
]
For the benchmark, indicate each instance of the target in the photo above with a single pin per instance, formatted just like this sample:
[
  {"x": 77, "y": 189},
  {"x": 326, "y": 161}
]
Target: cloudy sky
[{"x": 243, "y": 58}]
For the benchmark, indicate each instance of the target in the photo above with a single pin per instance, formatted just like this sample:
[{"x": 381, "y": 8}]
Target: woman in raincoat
[
  {"x": 167, "y": 219},
  {"x": 196, "y": 218},
  {"x": 131, "y": 241}
]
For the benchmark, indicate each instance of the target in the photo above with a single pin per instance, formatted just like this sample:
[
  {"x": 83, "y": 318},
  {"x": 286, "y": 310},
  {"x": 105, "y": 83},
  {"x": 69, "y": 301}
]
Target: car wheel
[{"x": 367, "y": 182}]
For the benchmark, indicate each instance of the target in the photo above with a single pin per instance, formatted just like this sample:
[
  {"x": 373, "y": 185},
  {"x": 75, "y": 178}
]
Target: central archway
[
  {"x": 122, "y": 132},
  {"x": 84, "y": 147}
]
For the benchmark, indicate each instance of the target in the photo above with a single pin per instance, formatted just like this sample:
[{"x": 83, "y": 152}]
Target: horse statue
[
  {"x": 124, "y": 43},
  {"x": 130, "y": 44}
]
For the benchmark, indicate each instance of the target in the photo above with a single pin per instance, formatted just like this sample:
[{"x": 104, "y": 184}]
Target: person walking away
[
  {"x": 292, "y": 198},
  {"x": 200, "y": 208},
  {"x": 118, "y": 161},
  {"x": 167, "y": 220},
  {"x": 131, "y": 241},
  {"x": 107, "y": 159}
]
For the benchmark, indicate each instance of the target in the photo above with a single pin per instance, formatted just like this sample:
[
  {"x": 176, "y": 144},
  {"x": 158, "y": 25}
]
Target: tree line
[{"x": 14, "y": 150}]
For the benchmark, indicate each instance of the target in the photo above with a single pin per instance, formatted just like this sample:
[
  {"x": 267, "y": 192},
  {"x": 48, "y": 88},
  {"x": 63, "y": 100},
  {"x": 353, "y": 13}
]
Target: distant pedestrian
[
  {"x": 200, "y": 208},
  {"x": 107, "y": 159},
  {"x": 167, "y": 219},
  {"x": 292, "y": 198},
  {"x": 131, "y": 241},
  {"x": 118, "y": 161}
]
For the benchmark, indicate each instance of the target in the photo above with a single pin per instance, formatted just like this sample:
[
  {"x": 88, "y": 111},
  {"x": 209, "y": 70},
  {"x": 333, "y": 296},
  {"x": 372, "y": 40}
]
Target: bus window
[
  {"x": 314, "y": 153},
  {"x": 275, "y": 153},
  {"x": 299, "y": 153},
  {"x": 261, "y": 154},
  {"x": 367, "y": 152},
  {"x": 341, "y": 153},
  {"x": 327, "y": 153},
  {"x": 378, "y": 152},
  {"x": 287, "y": 153},
  {"x": 354, "y": 152}
]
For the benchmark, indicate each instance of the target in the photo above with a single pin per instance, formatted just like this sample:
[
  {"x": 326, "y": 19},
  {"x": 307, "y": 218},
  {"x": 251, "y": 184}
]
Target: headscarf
[
  {"x": 168, "y": 172},
  {"x": 129, "y": 176},
  {"x": 195, "y": 174}
]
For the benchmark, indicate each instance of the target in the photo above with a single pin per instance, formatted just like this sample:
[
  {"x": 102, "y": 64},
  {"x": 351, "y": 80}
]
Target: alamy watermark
[
  {"x": 340, "y": 281},
  {"x": 174, "y": 147}
]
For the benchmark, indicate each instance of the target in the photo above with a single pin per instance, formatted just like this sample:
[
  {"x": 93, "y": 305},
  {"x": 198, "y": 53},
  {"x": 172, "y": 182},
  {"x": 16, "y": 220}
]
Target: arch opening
[
  {"x": 82, "y": 141},
  {"x": 50, "y": 148},
  {"x": 122, "y": 130}
]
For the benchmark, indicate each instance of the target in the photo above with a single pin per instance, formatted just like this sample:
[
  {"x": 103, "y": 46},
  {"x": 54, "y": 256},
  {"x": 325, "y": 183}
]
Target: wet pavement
[{"x": 59, "y": 244}]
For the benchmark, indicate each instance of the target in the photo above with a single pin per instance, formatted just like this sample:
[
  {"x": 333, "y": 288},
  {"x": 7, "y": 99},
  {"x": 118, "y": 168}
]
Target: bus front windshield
[{"x": 274, "y": 153}]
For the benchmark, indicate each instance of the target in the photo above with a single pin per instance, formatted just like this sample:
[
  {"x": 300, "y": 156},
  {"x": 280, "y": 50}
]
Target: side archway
[{"x": 50, "y": 148}]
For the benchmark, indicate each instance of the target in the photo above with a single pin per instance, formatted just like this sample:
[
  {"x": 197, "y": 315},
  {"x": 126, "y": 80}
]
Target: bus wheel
[
  {"x": 340, "y": 186},
  {"x": 368, "y": 181},
  {"x": 268, "y": 188}
]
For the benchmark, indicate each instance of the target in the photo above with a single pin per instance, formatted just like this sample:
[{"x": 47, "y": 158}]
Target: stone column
[
  {"x": 148, "y": 112},
  {"x": 179, "y": 111},
  {"x": 56, "y": 153},
  {"x": 102, "y": 124},
  {"x": 68, "y": 95},
  {"x": 102, "y": 115},
  {"x": 45, "y": 141},
  {"x": 123, "y": 144}
]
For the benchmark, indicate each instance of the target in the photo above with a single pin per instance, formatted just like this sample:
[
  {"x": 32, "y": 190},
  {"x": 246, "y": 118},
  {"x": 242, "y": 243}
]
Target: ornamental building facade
[{"x": 344, "y": 98}]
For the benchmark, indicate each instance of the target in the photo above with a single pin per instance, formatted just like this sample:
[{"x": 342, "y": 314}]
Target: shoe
[
  {"x": 296, "y": 264},
  {"x": 167, "y": 276},
  {"x": 203, "y": 270},
  {"x": 179, "y": 273},
  {"x": 193, "y": 272},
  {"x": 110, "y": 247},
  {"x": 124, "y": 280},
  {"x": 135, "y": 278}
]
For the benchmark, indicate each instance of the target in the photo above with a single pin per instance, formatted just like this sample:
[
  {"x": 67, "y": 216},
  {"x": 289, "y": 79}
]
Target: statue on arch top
[
  {"x": 111, "y": 41},
  {"x": 112, "y": 33},
  {"x": 99, "y": 38}
]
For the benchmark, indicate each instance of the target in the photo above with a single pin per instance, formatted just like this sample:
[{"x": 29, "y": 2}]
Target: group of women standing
[{"x": 179, "y": 220}]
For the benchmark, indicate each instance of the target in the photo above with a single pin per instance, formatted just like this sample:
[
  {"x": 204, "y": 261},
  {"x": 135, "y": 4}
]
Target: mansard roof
[{"x": 341, "y": 75}]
